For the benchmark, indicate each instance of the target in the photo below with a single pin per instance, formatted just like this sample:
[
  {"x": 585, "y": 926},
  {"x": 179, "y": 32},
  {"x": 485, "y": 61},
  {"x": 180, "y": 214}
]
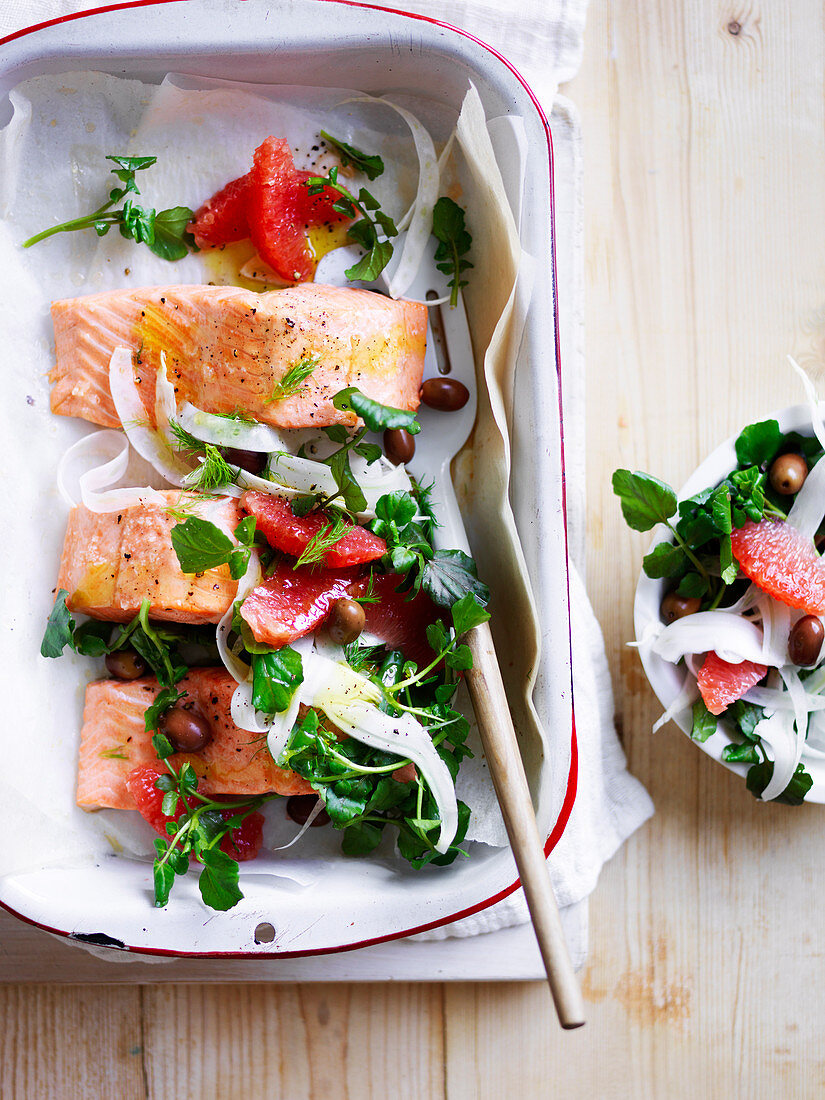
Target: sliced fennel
[{"x": 94, "y": 463}]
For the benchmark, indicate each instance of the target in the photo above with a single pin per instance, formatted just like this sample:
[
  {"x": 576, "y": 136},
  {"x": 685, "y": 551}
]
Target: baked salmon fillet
[
  {"x": 227, "y": 348},
  {"x": 112, "y": 561},
  {"x": 114, "y": 741}
]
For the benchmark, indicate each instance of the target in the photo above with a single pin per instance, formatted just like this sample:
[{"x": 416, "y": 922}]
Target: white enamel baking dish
[{"x": 333, "y": 903}]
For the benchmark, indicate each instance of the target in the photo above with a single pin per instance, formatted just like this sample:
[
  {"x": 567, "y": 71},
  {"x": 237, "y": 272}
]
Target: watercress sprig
[
  {"x": 164, "y": 231},
  {"x": 370, "y": 164},
  {"x": 372, "y": 229},
  {"x": 454, "y": 244},
  {"x": 200, "y": 545}
]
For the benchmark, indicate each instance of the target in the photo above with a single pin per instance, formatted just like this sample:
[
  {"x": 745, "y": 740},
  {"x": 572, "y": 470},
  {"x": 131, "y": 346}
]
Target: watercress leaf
[
  {"x": 720, "y": 509},
  {"x": 200, "y": 545},
  {"x": 163, "y": 701},
  {"x": 449, "y": 229},
  {"x": 728, "y": 565},
  {"x": 337, "y": 433},
  {"x": 169, "y": 803},
  {"x": 746, "y": 717},
  {"x": 398, "y": 508},
  {"x": 665, "y": 560},
  {"x": 704, "y": 723},
  {"x": 645, "y": 500},
  {"x": 218, "y": 882},
  {"x": 370, "y": 451},
  {"x": 370, "y": 164},
  {"x": 758, "y": 443},
  {"x": 692, "y": 585},
  {"x": 360, "y": 838},
  {"x": 449, "y": 576},
  {"x": 275, "y": 679},
  {"x": 59, "y": 628},
  {"x": 163, "y": 748},
  {"x": 460, "y": 659},
  {"x": 164, "y": 877},
  {"x": 401, "y": 558},
  {"x": 161, "y": 845},
  {"x": 744, "y": 753},
  {"x": 759, "y": 776},
  {"x": 164, "y": 782},
  {"x": 137, "y": 224},
  {"x": 91, "y": 639},
  {"x": 188, "y": 777},
  {"x": 369, "y": 267},
  {"x": 179, "y": 861},
  {"x": 376, "y": 416},
  {"x": 436, "y": 636},
  {"x": 467, "y": 613},
  {"x": 239, "y": 563},
  {"x": 350, "y": 490},
  {"x": 170, "y": 232},
  {"x": 346, "y": 799}
]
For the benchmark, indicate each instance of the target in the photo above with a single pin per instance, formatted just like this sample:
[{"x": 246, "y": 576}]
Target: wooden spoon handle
[{"x": 501, "y": 749}]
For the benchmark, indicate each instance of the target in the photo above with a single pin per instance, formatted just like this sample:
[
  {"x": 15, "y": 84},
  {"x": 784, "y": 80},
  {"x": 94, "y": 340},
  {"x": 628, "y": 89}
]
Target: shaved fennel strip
[
  {"x": 149, "y": 443},
  {"x": 92, "y": 483},
  {"x": 813, "y": 401},
  {"x": 786, "y": 745},
  {"x": 734, "y": 639},
  {"x": 238, "y": 669},
  {"x": 808, "y": 508},
  {"x": 420, "y": 216},
  {"x": 223, "y": 431},
  {"x": 688, "y": 694},
  {"x": 316, "y": 809}
]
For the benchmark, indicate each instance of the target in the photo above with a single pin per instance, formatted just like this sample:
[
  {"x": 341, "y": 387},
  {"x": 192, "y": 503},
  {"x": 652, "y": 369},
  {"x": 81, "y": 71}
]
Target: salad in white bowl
[{"x": 730, "y": 607}]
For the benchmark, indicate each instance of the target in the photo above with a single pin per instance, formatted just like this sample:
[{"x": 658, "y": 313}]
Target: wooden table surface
[{"x": 704, "y": 194}]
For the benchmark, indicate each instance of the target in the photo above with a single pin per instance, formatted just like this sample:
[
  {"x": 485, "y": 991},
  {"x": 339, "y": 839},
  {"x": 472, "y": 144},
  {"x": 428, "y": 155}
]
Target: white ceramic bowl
[
  {"x": 666, "y": 678},
  {"x": 327, "y": 902}
]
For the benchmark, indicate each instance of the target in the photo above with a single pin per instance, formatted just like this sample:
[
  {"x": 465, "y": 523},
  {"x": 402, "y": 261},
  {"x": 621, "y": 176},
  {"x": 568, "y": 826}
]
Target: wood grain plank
[
  {"x": 295, "y": 1042},
  {"x": 70, "y": 1043}
]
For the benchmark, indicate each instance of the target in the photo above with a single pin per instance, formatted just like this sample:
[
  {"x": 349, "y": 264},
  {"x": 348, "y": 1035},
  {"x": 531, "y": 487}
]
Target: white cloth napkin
[{"x": 543, "y": 40}]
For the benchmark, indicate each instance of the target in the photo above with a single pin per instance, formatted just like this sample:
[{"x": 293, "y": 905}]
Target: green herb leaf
[
  {"x": 376, "y": 416},
  {"x": 171, "y": 241},
  {"x": 757, "y": 444},
  {"x": 665, "y": 560},
  {"x": 163, "y": 747},
  {"x": 455, "y": 241},
  {"x": 370, "y": 164},
  {"x": 200, "y": 545},
  {"x": 326, "y": 539},
  {"x": 704, "y": 723},
  {"x": 164, "y": 701},
  {"x": 467, "y": 613},
  {"x": 275, "y": 679},
  {"x": 164, "y": 877},
  {"x": 218, "y": 882},
  {"x": 794, "y": 794},
  {"x": 213, "y": 472},
  {"x": 693, "y": 585},
  {"x": 59, "y": 628},
  {"x": 365, "y": 231},
  {"x": 744, "y": 753},
  {"x": 449, "y": 576},
  {"x": 645, "y": 500},
  {"x": 361, "y": 838},
  {"x": 293, "y": 379}
]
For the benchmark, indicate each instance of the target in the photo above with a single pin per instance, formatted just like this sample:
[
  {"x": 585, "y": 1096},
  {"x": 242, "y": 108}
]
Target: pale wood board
[{"x": 704, "y": 188}]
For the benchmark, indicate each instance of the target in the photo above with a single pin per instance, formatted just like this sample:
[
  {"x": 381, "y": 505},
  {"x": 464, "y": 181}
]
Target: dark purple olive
[
  {"x": 805, "y": 640},
  {"x": 447, "y": 394},
  {"x": 187, "y": 730},
  {"x": 300, "y": 806},
  {"x": 346, "y": 621},
  {"x": 787, "y": 474},
  {"x": 399, "y": 446},
  {"x": 675, "y": 606},
  {"x": 125, "y": 664},
  {"x": 251, "y": 461}
]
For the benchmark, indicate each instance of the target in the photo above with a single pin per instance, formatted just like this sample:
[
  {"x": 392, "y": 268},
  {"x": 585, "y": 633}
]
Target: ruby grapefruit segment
[
  {"x": 782, "y": 562},
  {"x": 291, "y": 534},
  {"x": 722, "y": 683}
]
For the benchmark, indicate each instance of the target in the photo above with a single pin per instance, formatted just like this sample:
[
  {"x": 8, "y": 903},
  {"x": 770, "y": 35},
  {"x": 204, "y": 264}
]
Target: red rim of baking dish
[{"x": 572, "y": 779}]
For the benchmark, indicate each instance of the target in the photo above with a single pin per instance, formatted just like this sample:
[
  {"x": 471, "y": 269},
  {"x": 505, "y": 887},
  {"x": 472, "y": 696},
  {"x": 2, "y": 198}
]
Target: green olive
[
  {"x": 675, "y": 606},
  {"x": 125, "y": 664},
  {"x": 787, "y": 474},
  {"x": 346, "y": 621}
]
